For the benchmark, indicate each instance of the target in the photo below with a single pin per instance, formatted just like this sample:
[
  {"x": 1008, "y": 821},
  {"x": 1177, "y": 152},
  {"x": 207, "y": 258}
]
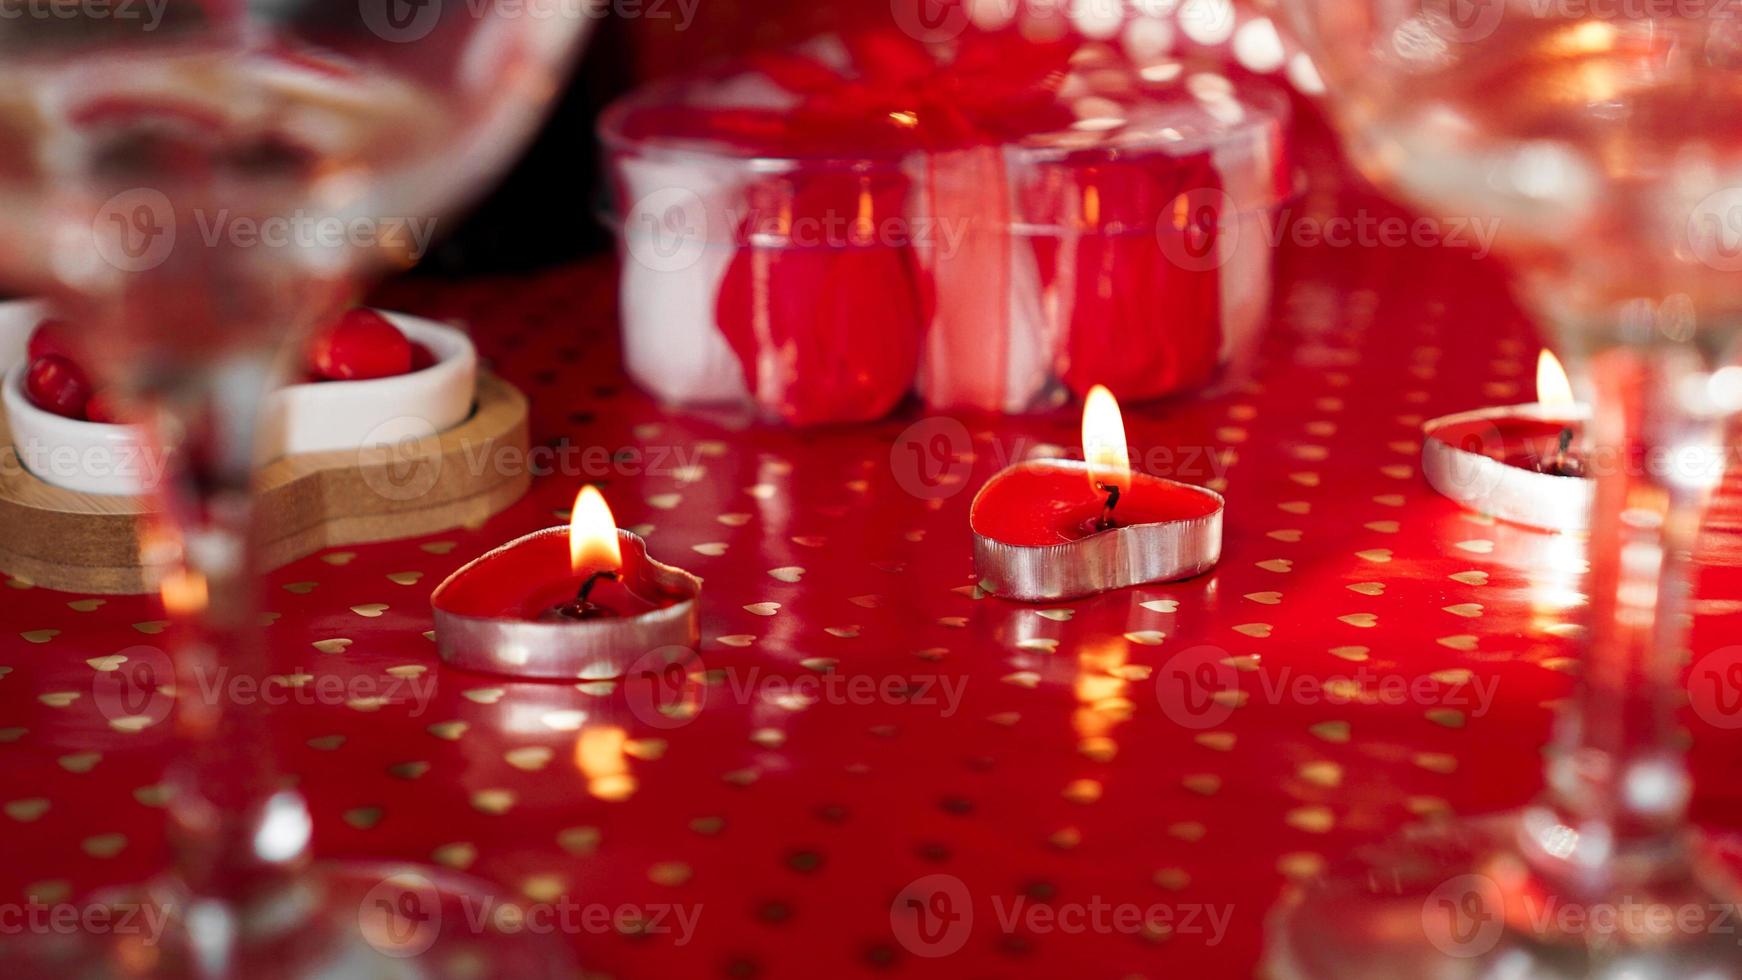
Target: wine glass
[
  {"x": 1607, "y": 140},
  {"x": 195, "y": 183}
]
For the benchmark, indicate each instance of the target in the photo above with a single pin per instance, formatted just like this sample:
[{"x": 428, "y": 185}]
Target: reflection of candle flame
[
  {"x": 593, "y": 535},
  {"x": 1554, "y": 584},
  {"x": 864, "y": 224},
  {"x": 184, "y": 593},
  {"x": 1100, "y": 694},
  {"x": 1552, "y": 386},
  {"x": 1104, "y": 444},
  {"x": 599, "y": 754}
]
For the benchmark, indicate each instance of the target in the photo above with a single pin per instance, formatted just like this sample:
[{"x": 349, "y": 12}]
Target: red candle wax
[
  {"x": 533, "y": 577},
  {"x": 608, "y": 599},
  {"x": 1522, "y": 441},
  {"x": 1043, "y": 503}
]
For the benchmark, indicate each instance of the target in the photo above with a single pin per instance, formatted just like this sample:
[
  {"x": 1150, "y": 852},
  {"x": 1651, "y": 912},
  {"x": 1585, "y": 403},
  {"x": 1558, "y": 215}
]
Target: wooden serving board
[{"x": 76, "y": 542}]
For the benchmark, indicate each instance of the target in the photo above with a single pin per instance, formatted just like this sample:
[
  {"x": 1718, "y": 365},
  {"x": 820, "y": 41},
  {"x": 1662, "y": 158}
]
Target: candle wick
[
  {"x": 1107, "y": 523},
  {"x": 1563, "y": 464},
  {"x": 587, "y": 587},
  {"x": 581, "y": 606}
]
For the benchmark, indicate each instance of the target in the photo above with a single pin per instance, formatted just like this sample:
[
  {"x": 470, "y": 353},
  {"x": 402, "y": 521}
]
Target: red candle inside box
[{"x": 1056, "y": 529}]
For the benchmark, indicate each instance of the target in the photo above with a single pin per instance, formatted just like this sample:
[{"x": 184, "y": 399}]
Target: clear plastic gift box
[{"x": 820, "y": 233}]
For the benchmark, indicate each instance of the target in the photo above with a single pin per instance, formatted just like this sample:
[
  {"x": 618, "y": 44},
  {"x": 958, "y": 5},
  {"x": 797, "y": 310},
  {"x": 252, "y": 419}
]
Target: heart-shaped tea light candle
[
  {"x": 1520, "y": 463},
  {"x": 1056, "y": 529},
  {"x": 578, "y": 602}
]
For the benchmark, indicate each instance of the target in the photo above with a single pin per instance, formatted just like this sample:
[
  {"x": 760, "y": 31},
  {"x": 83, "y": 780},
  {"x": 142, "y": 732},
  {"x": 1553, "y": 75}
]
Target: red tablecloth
[{"x": 793, "y": 809}]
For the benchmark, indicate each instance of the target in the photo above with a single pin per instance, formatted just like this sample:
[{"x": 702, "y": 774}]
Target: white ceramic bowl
[
  {"x": 112, "y": 460},
  {"x": 86, "y": 457},
  {"x": 18, "y": 317},
  {"x": 345, "y": 415}
]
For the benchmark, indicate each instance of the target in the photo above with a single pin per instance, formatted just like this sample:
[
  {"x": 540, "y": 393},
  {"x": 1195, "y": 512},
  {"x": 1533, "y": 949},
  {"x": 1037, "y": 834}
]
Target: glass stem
[
  {"x": 235, "y": 831},
  {"x": 1618, "y": 786}
]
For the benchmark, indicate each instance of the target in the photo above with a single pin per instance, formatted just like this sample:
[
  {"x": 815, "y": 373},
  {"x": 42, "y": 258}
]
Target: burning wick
[
  {"x": 1564, "y": 463},
  {"x": 582, "y": 608},
  {"x": 1105, "y": 450},
  {"x": 1106, "y": 521},
  {"x": 592, "y": 544}
]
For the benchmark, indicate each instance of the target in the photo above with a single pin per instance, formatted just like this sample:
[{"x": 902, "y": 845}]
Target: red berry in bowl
[
  {"x": 360, "y": 345},
  {"x": 421, "y": 356},
  {"x": 106, "y": 408},
  {"x": 55, "y": 384},
  {"x": 50, "y": 337}
]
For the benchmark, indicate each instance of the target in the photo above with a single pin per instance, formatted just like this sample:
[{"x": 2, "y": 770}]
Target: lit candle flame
[
  {"x": 593, "y": 535},
  {"x": 1552, "y": 386},
  {"x": 1104, "y": 446}
]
